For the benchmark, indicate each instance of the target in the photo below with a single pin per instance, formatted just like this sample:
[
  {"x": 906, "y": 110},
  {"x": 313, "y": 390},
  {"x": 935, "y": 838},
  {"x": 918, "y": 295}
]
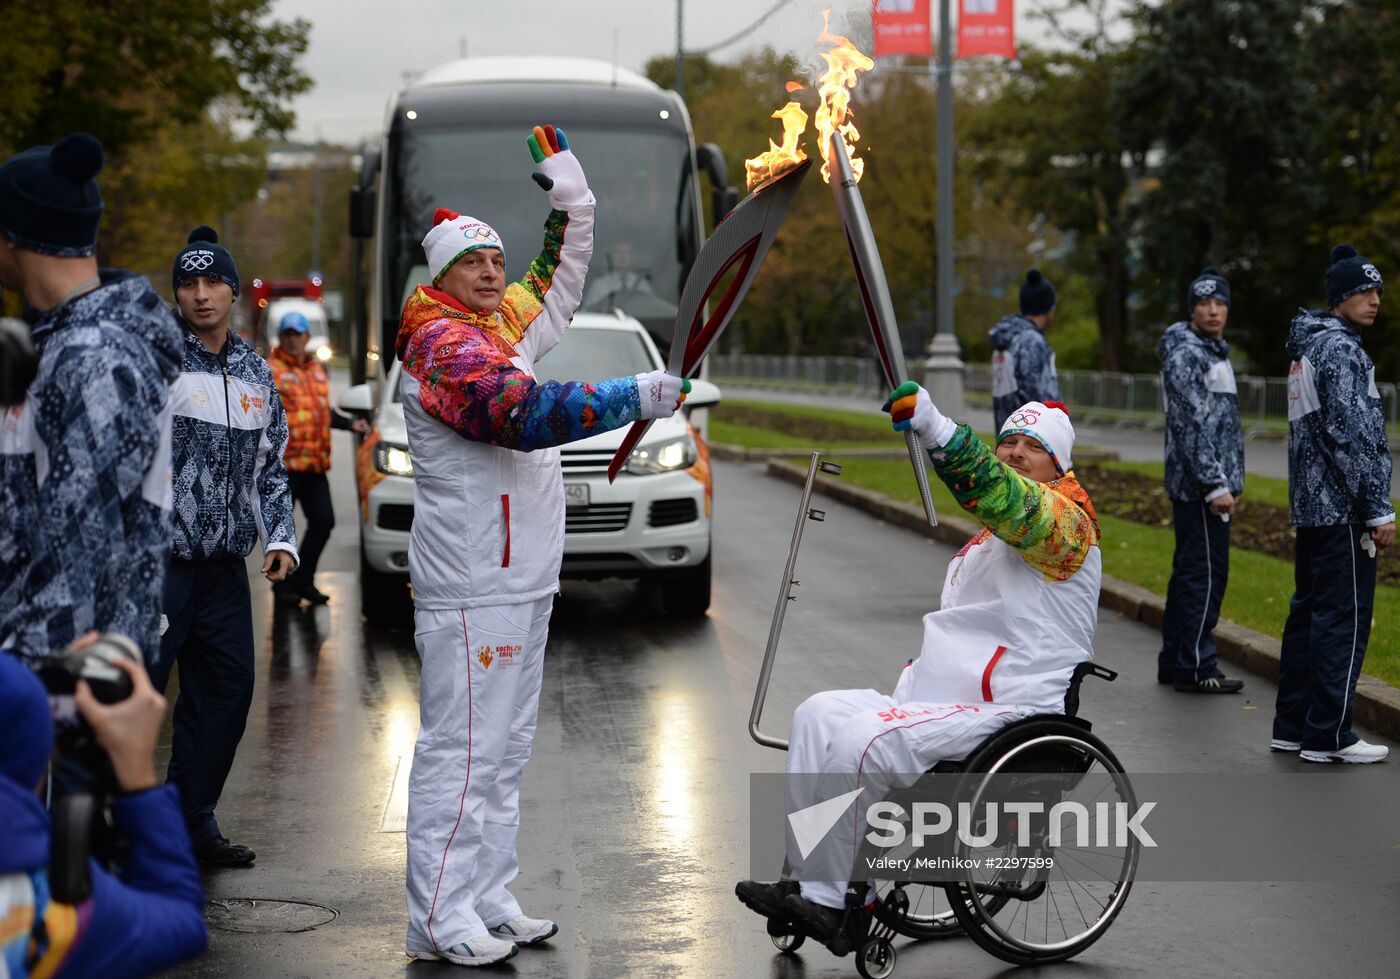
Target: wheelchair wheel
[
  {"x": 783, "y": 937},
  {"x": 875, "y": 959},
  {"x": 1030, "y": 897},
  {"x": 925, "y": 913}
]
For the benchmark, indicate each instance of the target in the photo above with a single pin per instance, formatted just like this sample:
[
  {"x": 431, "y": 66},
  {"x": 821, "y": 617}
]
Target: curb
[{"x": 1377, "y": 704}]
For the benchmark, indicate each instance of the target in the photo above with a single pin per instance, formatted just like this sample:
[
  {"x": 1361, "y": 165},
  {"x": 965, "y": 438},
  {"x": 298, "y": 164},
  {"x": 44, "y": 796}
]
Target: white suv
[{"x": 652, "y": 523}]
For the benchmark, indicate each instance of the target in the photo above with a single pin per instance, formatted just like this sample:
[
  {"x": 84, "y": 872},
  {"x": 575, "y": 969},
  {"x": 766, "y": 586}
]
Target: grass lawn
[{"x": 1260, "y": 586}]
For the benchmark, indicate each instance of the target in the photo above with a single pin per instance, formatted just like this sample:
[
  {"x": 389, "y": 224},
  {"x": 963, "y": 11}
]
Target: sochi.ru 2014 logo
[
  {"x": 1025, "y": 418},
  {"x": 197, "y": 261},
  {"x": 485, "y": 658}
]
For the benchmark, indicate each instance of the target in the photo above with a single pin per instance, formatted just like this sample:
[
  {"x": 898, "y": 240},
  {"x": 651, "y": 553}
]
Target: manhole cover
[{"x": 259, "y": 915}]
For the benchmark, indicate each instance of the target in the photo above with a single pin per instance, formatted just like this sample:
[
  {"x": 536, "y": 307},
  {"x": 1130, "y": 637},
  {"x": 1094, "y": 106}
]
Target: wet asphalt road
[{"x": 636, "y": 801}]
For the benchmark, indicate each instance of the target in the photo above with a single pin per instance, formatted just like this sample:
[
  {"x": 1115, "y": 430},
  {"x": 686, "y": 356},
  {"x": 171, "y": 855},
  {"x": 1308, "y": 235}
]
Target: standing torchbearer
[
  {"x": 1204, "y": 476},
  {"x": 1339, "y": 472}
]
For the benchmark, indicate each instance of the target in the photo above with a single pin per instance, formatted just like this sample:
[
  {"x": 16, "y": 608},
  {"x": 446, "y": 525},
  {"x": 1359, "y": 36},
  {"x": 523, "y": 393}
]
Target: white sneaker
[
  {"x": 1278, "y": 744},
  {"x": 525, "y": 931},
  {"x": 484, "y": 950},
  {"x": 1360, "y": 753}
]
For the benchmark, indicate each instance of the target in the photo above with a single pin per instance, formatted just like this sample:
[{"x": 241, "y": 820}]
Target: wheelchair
[{"x": 1022, "y": 894}]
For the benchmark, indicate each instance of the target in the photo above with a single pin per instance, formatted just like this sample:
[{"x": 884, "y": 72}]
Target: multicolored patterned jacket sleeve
[
  {"x": 538, "y": 309},
  {"x": 469, "y": 384},
  {"x": 1052, "y": 532}
]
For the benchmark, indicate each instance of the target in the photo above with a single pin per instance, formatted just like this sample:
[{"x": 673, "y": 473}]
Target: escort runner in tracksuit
[
  {"x": 487, "y": 542},
  {"x": 1018, "y": 612},
  {"x": 85, "y": 460},
  {"x": 1023, "y": 365},
  {"x": 305, "y": 392},
  {"x": 1204, "y": 475},
  {"x": 230, "y": 490},
  {"x": 1339, "y": 471}
]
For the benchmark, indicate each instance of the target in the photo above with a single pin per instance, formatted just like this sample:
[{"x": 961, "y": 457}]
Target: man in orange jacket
[{"x": 305, "y": 392}]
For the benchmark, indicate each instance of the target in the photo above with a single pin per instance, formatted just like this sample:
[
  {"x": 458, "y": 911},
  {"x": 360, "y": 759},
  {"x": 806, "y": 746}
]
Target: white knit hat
[
  {"x": 454, "y": 235},
  {"x": 1048, "y": 423}
]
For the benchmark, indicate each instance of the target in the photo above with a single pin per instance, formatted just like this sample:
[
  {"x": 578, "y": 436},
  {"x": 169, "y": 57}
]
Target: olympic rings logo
[
  {"x": 1372, "y": 273},
  {"x": 1025, "y": 418},
  {"x": 479, "y": 232},
  {"x": 1205, "y": 288},
  {"x": 197, "y": 261}
]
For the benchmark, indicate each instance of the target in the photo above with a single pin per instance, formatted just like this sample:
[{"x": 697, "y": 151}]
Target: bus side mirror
[
  {"x": 362, "y": 201},
  {"x": 724, "y": 198}
]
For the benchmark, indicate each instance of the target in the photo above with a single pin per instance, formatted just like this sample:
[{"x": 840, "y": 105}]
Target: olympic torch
[
  {"x": 737, "y": 246},
  {"x": 875, "y": 297}
]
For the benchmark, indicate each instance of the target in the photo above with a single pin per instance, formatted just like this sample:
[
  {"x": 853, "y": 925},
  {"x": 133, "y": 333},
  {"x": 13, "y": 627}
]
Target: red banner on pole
[
  {"x": 902, "y": 27},
  {"x": 987, "y": 27}
]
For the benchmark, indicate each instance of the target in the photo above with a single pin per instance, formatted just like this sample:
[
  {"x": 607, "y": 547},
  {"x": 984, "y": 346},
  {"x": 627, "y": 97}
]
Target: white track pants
[
  {"x": 845, "y": 734},
  {"x": 478, "y": 703}
]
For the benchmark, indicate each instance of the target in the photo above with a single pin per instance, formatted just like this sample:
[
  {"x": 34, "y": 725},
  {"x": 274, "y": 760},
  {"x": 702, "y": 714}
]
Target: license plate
[{"x": 576, "y": 494}]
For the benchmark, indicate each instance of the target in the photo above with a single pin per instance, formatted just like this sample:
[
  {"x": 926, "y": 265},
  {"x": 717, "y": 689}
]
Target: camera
[
  {"x": 82, "y": 781},
  {"x": 18, "y": 361}
]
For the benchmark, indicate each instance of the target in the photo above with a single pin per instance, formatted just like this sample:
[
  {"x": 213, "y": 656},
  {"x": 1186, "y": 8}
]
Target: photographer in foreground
[{"x": 147, "y": 916}]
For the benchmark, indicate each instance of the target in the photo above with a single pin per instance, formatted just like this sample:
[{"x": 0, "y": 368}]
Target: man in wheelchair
[{"x": 1017, "y": 615}]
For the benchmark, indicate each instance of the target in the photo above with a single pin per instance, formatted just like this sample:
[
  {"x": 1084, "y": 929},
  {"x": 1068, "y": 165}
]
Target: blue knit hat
[
  {"x": 1210, "y": 284},
  {"x": 1349, "y": 274},
  {"x": 26, "y": 737},
  {"x": 204, "y": 256},
  {"x": 49, "y": 201},
  {"x": 1037, "y": 294}
]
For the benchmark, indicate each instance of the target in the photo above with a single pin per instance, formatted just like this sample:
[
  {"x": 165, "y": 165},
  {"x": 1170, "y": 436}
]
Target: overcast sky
[{"x": 360, "y": 49}]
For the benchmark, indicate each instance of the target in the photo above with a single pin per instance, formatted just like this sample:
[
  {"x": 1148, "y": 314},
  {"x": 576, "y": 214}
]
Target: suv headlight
[
  {"x": 663, "y": 457},
  {"x": 392, "y": 459}
]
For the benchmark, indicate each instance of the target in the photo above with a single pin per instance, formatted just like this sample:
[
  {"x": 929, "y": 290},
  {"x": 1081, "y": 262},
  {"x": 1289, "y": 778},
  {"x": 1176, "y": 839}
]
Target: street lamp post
[
  {"x": 943, "y": 371},
  {"x": 680, "y": 48}
]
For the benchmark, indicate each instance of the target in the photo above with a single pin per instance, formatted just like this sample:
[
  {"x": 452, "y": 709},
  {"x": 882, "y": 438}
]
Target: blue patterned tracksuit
[
  {"x": 230, "y": 490},
  {"x": 1023, "y": 367},
  {"x": 1339, "y": 470},
  {"x": 1204, "y": 460},
  {"x": 85, "y": 473}
]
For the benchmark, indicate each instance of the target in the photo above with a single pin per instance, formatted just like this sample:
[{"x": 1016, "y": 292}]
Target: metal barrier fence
[{"x": 1261, "y": 398}]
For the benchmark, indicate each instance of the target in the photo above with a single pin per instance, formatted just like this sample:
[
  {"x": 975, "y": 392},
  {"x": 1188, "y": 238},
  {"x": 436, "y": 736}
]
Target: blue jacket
[
  {"x": 147, "y": 919},
  {"x": 85, "y": 472},
  {"x": 230, "y": 430},
  {"x": 1205, "y": 446},
  {"x": 1338, "y": 461},
  {"x": 1023, "y": 367}
]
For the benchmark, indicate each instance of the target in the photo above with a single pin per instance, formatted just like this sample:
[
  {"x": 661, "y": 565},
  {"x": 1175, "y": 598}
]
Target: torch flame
[
  {"x": 768, "y": 165},
  {"x": 843, "y": 64}
]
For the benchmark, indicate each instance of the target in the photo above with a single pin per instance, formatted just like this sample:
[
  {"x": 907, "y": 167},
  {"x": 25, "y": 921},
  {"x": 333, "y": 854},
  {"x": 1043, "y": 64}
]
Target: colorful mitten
[
  {"x": 559, "y": 171},
  {"x": 910, "y": 407},
  {"x": 661, "y": 394}
]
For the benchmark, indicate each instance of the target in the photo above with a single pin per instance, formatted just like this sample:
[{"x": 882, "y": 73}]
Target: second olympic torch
[{"x": 875, "y": 297}]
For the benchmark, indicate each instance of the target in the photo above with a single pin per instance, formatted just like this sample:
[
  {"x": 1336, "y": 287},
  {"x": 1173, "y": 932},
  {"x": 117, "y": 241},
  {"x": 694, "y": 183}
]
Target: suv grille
[
  {"x": 668, "y": 513},
  {"x": 577, "y": 462},
  {"x": 599, "y": 518}
]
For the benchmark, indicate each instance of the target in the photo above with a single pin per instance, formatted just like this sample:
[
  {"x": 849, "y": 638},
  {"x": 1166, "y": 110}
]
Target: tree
[
  {"x": 1048, "y": 143},
  {"x": 123, "y": 69},
  {"x": 1352, "y": 66},
  {"x": 1218, "y": 91}
]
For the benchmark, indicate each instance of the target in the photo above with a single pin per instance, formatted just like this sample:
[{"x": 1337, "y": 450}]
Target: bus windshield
[{"x": 645, "y": 233}]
